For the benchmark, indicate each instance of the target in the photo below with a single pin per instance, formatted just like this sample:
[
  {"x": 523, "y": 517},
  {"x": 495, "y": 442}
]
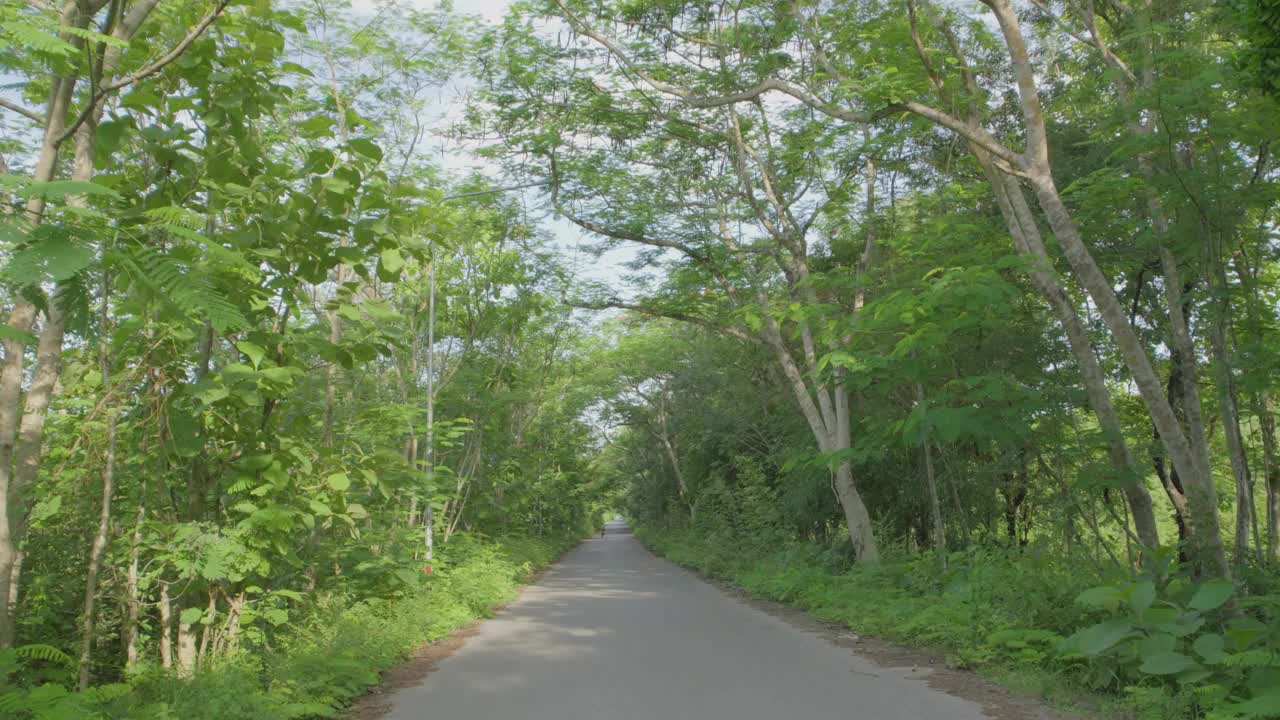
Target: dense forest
[{"x": 955, "y": 323}]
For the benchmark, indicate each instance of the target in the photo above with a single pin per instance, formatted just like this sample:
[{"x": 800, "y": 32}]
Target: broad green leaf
[
  {"x": 349, "y": 311},
  {"x": 1142, "y": 595},
  {"x": 1212, "y": 595},
  {"x": 367, "y": 148},
  {"x": 339, "y": 481},
  {"x": 255, "y": 352},
  {"x": 1166, "y": 663},
  {"x": 392, "y": 262},
  {"x": 1210, "y": 647},
  {"x": 1097, "y": 639},
  {"x": 1098, "y": 597},
  {"x": 1156, "y": 644},
  {"x": 1263, "y": 706}
]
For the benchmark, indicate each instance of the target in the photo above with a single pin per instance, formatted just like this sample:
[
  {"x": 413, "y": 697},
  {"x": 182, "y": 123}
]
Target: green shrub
[
  {"x": 1162, "y": 648},
  {"x": 331, "y": 652}
]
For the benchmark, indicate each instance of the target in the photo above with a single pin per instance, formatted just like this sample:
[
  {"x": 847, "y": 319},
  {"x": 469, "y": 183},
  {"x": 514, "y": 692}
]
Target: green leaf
[
  {"x": 1263, "y": 706},
  {"x": 1097, "y": 639},
  {"x": 281, "y": 375},
  {"x": 1212, "y": 595},
  {"x": 190, "y": 616},
  {"x": 1210, "y": 647},
  {"x": 1098, "y": 597},
  {"x": 255, "y": 352},
  {"x": 10, "y": 333},
  {"x": 1142, "y": 595},
  {"x": 1156, "y": 644},
  {"x": 53, "y": 257},
  {"x": 367, "y": 148},
  {"x": 314, "y": 127},
  {"x": 185, "y": 432},
  {"x": 1166, "y": 663},
  {"x": 339, "y": 481},
  {"x": 60, "y": 189},
  {"x": 391, "y": 263}
]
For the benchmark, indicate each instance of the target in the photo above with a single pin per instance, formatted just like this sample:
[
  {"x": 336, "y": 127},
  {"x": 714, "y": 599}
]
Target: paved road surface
[{"x": 614, "y": 633}]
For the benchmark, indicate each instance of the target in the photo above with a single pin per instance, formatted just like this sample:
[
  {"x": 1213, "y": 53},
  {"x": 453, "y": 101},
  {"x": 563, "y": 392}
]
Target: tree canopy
[{"x": 908, "y": 282}]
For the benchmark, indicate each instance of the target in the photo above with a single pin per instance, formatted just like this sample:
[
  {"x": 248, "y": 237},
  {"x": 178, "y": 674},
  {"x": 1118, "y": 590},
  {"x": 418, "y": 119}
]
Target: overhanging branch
[{"x": 670, "y": 315}]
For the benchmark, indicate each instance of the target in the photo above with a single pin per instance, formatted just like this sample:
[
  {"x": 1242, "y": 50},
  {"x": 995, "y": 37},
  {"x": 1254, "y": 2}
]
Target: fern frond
[
  {"x": 175, "y": 217},
  {"x": 190, "y": 292},
  {"x": 107, "y": 693},
  {"x": 48, "y": 653},
  {"x": 74, "y": 297}
]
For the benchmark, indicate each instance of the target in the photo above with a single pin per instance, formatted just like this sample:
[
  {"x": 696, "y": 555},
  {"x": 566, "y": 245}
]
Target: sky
[{"x": 570, "y": 240}]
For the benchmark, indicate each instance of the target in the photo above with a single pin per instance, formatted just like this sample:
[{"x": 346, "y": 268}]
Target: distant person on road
[{"x": 603, "y": 528}]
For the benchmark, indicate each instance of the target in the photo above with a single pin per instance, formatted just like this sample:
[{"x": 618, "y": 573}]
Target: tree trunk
[
  {"x": 1235, "y": 444},
  {"x": 935, "y": 504},
  {"x": 108, "y": 485},
  {"x": 96, "y": 552},
  {"x": 166, "y": 628},
  {"x": 856, "y": 516},
  {"x": 1186, "y": 453},
  {"x": 186, "y": 649},
  {"x": 210, "y": 612},
  {"x": 134, "y": 611},
  {"x": 21, "y": 319},
  {"x": 1207, "y": 550},
  {"x": 1267, "y": 428},
  {"x": 429, "y": 530},
  {"x": 1027, "y": 240},
  {"x": 664, "y": 438}
]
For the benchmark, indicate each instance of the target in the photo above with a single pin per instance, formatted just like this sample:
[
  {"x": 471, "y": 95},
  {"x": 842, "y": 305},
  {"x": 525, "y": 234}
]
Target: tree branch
[
  {"x": 670, "y": 315},
  {"x": 32, "y": 114},
  {"x": 144, "y": 72}
]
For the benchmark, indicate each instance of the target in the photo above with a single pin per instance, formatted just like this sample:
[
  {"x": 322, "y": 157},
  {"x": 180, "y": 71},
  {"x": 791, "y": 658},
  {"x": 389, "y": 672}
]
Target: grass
[{"x": 997, "y": 611}]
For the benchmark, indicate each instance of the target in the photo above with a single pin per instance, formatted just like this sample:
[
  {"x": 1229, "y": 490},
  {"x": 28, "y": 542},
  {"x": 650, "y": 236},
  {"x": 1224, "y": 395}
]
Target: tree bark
[
  {"x": 108, "y": 484},
  {"x": 166, "y": 628},
  {"x": 134, "y": 611},
  {"x": 1208, "y": 551},
  {"x": 21, "y": 319},
  {"x": 861, "y": 532},
  {"x": 1227, "y": 403},
  {"x": 1267, "y": 428},
  {"x": 931, "y": 484},
  {"x": 186, "y": 650},
  {"x": 1027, "y": 240}
]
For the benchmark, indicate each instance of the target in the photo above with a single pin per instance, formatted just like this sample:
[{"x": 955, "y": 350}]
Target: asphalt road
[{"x": 614, "y": 633}]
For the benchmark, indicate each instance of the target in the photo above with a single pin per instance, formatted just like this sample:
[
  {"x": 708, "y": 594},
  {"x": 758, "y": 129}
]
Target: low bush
[
  {"x": 332, "y": 652},
  {"x": 1154, "y": 648}
]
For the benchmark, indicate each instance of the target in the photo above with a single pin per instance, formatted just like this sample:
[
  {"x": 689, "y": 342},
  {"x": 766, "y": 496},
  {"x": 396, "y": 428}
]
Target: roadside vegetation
[
  {"x": 279, "y": 401},
  {"x": 957, "y": 324}
]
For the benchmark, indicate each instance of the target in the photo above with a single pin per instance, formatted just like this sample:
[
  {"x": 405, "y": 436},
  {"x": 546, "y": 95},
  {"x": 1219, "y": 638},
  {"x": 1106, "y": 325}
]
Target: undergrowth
[
  {"x": 331, "y": 654},
  {"x": 1120, "y": 647}
]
